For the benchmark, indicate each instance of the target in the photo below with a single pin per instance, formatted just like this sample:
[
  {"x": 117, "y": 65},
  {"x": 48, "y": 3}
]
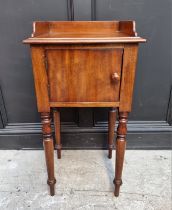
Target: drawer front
[{"x": 84, "y": 75}]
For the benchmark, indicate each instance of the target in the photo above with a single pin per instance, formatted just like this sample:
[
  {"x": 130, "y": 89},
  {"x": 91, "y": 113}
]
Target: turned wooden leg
[
  {"x": 58, "y": 145},
  {"x": 111, "y": 127},
  {"x": 120, "y": 150},
  {"x": 49, "y": 150}
]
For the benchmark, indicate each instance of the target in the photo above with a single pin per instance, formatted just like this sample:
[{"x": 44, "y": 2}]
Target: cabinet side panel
[
  {"x": 128, "y": 76},
  {"x": 40, "y": 78}
]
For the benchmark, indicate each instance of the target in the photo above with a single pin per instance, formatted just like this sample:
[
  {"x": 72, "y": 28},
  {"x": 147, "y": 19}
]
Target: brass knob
[{"x": 115, "y": 77}]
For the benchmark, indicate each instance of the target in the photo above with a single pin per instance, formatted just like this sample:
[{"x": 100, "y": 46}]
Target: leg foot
[
  {"x": 58, "y": 145},
  {"x": 120, "y": 150},
  {"x": 49, "y": 149},
  {"x": 51, "y": 184},
  {"x": 110, "y": 153},
  {"x": 58, "y": 148},
  {"x": 59, "y": 154},
  {"x": 111, "y": 127},
  {"x": 117, "y": 184}
]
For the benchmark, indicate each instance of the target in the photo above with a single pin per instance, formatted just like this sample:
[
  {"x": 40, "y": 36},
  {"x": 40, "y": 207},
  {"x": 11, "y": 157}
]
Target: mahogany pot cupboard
[{"x": 84, "y": 64}]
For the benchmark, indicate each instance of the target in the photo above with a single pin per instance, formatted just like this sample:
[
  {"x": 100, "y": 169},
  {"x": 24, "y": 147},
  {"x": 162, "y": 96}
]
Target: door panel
[{"x": 84, "y": 75}]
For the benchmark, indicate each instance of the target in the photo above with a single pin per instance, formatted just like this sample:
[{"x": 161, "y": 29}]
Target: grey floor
[{"x": 84, "y": 181}]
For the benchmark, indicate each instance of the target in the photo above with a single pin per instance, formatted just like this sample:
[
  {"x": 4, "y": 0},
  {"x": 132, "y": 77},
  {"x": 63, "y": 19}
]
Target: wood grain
[
  {"x": 58, "y": 145},
  {"x": 111, "y": 127},
  {"x": 120, "y": 150},
  {"x": 83, "y": 32},
  {"x": 84, "y": 64},
  {"x": 84, "y": 104},
  {"x": 40, "y": 78},
  {"x": 78, "y": 75},
  {"x": 128, "y": 77},
  {"x": 49, "y": 149}
]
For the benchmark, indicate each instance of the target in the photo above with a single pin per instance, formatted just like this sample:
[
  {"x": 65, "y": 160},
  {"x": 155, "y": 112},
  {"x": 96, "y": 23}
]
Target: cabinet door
[{"x": 84, "y": 75}]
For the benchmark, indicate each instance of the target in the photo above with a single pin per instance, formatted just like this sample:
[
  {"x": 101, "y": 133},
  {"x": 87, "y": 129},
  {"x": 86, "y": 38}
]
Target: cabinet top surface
[{"x": 50, "y": 32}]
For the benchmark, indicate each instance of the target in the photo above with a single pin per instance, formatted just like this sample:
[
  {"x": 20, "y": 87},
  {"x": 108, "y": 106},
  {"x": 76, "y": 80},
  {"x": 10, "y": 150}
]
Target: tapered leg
[
  {"x": 58, "y": 145},
  {"x": 49, "y": 150},
  {"x": 111, "y": 127},
  {"x": 120, "y": 150}
]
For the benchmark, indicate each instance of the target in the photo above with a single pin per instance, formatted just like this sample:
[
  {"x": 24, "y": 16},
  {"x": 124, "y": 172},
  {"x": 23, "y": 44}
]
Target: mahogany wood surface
[
  {"x": 83, "y": 32},
  {"x": 120, "y": 150},
  {"x": 49, "y": 149},
  {"x": 84, "y": 104},
  {"x": 84, "y": 64},
  {"x": 78, "y": 75},
  {"x": 111, "y": 126},
  {"x": 40, "y": 78},
  {"x": 58, "y": 146},
  {"x": 128, "y": 77}
]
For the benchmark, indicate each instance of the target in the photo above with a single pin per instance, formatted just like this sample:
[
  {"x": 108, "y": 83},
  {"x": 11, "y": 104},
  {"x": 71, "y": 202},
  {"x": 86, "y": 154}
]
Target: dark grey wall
[
  {"x": 16, "y": 79},
  {"x": 152, "y": 87},
  {"x": 153, "y": 78}
]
